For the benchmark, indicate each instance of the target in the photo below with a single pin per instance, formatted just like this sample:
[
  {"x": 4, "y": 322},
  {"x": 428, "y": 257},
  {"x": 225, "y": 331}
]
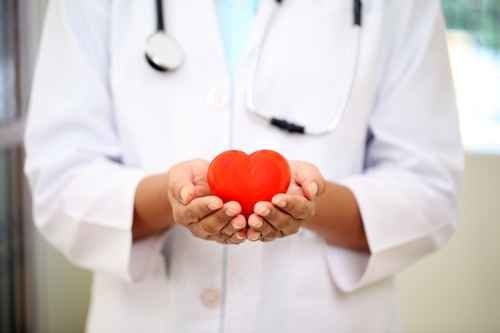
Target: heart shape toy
[{"x": 248, "y": 179}]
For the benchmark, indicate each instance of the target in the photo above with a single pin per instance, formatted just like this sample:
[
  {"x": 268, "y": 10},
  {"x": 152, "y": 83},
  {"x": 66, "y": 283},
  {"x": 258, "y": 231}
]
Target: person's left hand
[{"x": 288, "y": 211}]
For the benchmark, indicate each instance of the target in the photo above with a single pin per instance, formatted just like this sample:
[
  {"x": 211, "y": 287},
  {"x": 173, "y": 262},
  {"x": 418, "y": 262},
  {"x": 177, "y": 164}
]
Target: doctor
[{"x": 117, "y": 155}]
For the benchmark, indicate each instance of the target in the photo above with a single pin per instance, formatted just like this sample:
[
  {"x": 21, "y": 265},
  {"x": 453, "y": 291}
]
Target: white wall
[
  {"x": 458, "y": 289},
  {"x": 63, "y": 293}
]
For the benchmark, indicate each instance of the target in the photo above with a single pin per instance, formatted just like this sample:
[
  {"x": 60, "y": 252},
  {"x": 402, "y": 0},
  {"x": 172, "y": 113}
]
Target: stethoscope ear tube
[
  {"x": 160, "y": 17},
  {"x": 292, "y": 127},
  {"x": 358, "y": 10},
  {"x": 165, "y": 54}
]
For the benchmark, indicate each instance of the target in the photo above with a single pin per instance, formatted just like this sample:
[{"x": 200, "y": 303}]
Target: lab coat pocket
[{"x": 308, "y": 63}]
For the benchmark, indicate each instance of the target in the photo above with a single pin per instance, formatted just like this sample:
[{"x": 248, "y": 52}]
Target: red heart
[{"x": 248, "y": 179}]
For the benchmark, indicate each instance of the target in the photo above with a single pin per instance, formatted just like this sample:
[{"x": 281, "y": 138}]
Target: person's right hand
[{"x": 193, "y": 206}]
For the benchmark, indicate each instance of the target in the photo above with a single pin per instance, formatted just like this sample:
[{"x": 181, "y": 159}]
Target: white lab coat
[{"x": 101, "y": 119}]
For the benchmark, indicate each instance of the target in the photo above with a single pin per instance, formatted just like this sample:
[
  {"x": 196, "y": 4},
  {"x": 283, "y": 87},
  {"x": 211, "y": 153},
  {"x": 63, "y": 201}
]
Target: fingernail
[
  {"x": 280, "y": 203},
  {"x": 213, "y": 205},
  {"x": 185, "y": 192},
  {"x": 263, "y": 210},
  {"x": 240, "y": 236},
  {"x": 313, "y": 189},
  {"x": 231, "y": 211},
  {"x": 254, "y": 236},
  {"x": 256, "y": 223},
  {"x": 238, "y": 223}
]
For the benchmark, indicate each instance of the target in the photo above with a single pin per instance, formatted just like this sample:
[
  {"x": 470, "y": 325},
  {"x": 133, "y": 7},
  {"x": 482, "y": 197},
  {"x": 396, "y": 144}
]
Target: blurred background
[{"x": 457, "y": 290}]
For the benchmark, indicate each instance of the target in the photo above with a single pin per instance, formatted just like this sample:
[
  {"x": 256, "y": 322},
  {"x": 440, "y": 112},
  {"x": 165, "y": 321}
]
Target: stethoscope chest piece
[{"x": 163, "y": 52}]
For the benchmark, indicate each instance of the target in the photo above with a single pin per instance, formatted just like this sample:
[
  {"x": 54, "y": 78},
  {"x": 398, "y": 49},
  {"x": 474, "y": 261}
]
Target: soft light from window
[{"x": 474, "y": 42}]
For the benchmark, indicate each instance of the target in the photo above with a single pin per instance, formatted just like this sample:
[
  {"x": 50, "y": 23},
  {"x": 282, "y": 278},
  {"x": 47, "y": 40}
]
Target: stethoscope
[{"x": 165, "y": 54}]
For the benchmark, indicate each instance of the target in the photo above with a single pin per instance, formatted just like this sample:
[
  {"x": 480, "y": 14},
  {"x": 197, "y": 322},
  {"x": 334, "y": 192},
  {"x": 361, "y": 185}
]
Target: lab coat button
[
  {"x": 217, "y": 98},
  {"x": 210, "y": 297}
]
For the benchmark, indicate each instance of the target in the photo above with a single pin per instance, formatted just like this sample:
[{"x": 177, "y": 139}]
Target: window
[
  {"x": 474, "y": 41},
  {"x": 6, "y": 67},
  {"x": 11, "y": 250}
]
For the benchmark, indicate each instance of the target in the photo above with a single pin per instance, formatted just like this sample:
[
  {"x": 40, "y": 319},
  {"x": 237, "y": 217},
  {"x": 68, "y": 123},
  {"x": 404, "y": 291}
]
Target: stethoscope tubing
[
  {"x": 282, "y": 124},
  {"x": 160, "y": 17}
]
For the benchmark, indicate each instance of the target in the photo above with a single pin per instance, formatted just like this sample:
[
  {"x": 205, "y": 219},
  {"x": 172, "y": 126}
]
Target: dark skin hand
[
  {"x": 324, "y": 207},
  {"x": 181, "y": 196}
]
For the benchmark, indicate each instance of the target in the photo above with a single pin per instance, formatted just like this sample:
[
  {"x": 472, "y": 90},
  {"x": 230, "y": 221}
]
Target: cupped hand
[
  {"x": 287, "y": 212},
  {"x": 194, "y": 207}
]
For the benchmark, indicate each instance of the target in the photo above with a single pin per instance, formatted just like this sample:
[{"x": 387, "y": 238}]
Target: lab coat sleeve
[
  {"x": 414, "y": 157},
  {"x": 83, "y": 195}
]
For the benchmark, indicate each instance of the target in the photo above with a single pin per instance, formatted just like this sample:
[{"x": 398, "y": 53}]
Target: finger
[
  {"x": 253, "y": 235},
  {"x": 280, "y": 220},
  {"x": 210, "y": 227},
  {"x": 197, "y": 209},
  {"x": 290, "y": 229},
  {"x": 295, "y": 189},
  {"x": 238, "y": 237},
  {"x": 272, "y": 214},
  {"x": 214, "y": 223},
  {"x": 299, "y": 207},
  {"x": 236, "y": 224},
  {"x": 272, "y": 236},
  {"x": 217, "y": 238},
  {"x": 258, "y": 224}
]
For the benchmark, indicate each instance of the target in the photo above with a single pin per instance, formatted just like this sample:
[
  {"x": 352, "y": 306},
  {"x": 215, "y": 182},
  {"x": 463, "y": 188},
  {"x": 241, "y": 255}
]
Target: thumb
[
  {"x": 187, "y": 184},
  {"x": 311, "y": 189},
  {"x": 185, "y": 191},
  {"x": 308, "y": 177},
  {"x": 186, "y": 194},
  {"x": 181, "y": 189}
]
